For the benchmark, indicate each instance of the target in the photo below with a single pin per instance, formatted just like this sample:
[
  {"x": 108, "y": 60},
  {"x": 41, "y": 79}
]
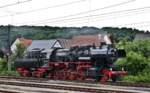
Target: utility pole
[{"x": 9, "y": 48}]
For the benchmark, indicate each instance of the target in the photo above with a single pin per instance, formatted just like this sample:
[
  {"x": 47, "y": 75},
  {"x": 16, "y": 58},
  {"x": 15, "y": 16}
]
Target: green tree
[
  {"x": 19, "y": 52},
  {"x": 137, "y": 62}
]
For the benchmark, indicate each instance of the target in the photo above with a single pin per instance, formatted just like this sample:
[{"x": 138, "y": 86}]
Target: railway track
[
  {"x": 63, "y": 87},
  {"x": 72, "y": 86},
  {"x": 119, "y": 83}
]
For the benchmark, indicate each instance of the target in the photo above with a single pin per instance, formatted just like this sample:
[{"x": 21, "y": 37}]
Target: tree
[
  {"x": 19, "y": 52},
  {"x": 137, "y": 62}
]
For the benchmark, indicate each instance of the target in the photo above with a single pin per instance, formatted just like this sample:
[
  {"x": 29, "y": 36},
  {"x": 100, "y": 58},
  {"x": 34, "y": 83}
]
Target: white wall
[
  {"x": 57, "y": 45},
  {"x": 13, "y": 46}
]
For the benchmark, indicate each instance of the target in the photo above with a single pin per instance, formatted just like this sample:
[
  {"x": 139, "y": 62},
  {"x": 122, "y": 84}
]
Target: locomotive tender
[{"x": 76, "y": 63}]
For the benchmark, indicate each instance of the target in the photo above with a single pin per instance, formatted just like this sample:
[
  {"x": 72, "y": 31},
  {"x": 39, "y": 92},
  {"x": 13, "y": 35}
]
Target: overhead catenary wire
[
  {"x": 92, "y": 20},
  {"x": 44, "y": 8},
  {"x": 102, "y": 15},
  {"x": 132, "y": 11},
  {"x": 86, "y": 21},
  {"x": 85, "y": 12},
  {"x": 90, "y": 7},
  {"x": 137, "y": 24},
  {"x": 99, "y": 17},
  {"x": 15, "y": 3}
]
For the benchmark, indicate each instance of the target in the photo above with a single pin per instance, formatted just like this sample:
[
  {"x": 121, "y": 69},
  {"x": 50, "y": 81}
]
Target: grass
[
  {"x": 9, "y": 73},
  {"x": 138, "y": 78}
]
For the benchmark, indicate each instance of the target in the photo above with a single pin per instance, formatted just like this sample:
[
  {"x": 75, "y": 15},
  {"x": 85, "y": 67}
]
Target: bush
[
  {"x": 137, "y": 62},
  {"x": 138, "y": 78},
  {"x": 9, "y": 73},
  {"x": 3, "y": 64}
]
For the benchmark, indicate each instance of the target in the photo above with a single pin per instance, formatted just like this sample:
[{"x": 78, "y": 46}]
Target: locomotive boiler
[{"x": 75, "y": 63}]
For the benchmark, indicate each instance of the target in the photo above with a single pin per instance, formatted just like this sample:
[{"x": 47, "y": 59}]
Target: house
[
  {"x": 84, "y": 40},
  {"x": 141, "y": 36},
  {"x": 46, "y": 46},
  {"x": 23, "y": 41},
  {"x": 65, "y": 43}
]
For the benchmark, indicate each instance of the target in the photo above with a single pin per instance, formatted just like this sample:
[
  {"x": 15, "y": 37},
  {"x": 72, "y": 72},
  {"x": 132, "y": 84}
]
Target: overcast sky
[{"x": 76, "y": 13}]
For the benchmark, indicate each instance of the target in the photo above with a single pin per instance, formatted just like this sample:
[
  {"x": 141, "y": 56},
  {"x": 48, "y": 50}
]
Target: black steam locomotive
[{"x": 76, "y": 63}]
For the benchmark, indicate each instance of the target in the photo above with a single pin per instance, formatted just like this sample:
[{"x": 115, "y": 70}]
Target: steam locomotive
[{"x": 75, "y": 63}]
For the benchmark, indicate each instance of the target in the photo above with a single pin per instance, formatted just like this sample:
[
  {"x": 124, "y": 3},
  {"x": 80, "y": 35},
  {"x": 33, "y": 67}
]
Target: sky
[{"x": 76, "y": 13}]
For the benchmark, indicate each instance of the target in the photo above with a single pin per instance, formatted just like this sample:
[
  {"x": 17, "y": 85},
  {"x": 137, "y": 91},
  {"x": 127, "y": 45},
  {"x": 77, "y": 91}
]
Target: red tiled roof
[
  {"x": 84, "y": 40},
  {"x": 25, "y": 42}
]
